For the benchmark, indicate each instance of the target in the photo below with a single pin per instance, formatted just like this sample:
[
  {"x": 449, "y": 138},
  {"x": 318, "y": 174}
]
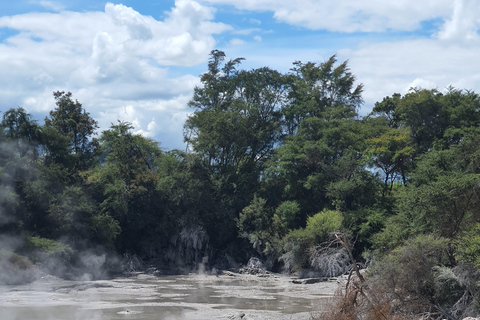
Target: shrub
[
  {"x": 468, "y": 247},
  {"x": 53, "y": 256},
  {"x": 49, "y": 247},
  {"x": 299, "y": 244},
  {"x": 407, "y": 274},
  {"x": 16, "y": 269},
  {"x": 288, "y": 212}
]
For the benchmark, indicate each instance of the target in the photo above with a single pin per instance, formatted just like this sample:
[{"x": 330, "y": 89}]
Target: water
[{"x": 167, "y": 297}]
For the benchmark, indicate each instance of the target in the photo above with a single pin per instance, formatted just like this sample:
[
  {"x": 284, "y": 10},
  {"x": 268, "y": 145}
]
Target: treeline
[{"x": 275, "y": 164}]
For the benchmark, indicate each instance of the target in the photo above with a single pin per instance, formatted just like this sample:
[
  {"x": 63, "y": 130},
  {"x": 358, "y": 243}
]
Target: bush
[
  {"x": 330, "y": 262},
  {"x": 353, "y": 305},
  {"x": 299, "y": 244},
  {"x": 467, "y": 247},
  {"x": 407, "y": 275},
  {"x": 288, "y": 212},
  {"x": 15, "y": 269},
  {"x": 322, "y": 224},
  {"x": 409, "y": 283},
  {"x": 49, "y": 247},
  {"x": 54, "y": 256}
]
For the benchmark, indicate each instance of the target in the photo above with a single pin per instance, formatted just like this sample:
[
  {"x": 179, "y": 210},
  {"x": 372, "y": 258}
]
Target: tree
[
  {"x": 126, "y": 185},
  {"x": 73, "y": 122},
  {"x": 234, "y": 129},
  {"x": 21, "y": 131},
  {"x": 322, "y": 166},
  {"x": 443, "y": 197},
  {"x": 237, "y": 120},
  {"x": 434, "y": 119},
  {"x": 392, "y": 153},
  {"x": 323, "y": 91}
]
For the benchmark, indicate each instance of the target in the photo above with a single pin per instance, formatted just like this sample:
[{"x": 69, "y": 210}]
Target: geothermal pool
[{"x": 148, "y": 297}]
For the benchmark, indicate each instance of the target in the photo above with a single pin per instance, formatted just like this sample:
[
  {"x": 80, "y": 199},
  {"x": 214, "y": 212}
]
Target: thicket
[{"x": 276, "y": 165}]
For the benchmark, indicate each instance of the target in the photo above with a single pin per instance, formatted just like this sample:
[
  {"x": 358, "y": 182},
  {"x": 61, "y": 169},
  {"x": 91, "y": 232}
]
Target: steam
[
  {"x": 189, "y": 248},
  {"x": 201, "y": 266},
  {"x": 21, "y": 261}
]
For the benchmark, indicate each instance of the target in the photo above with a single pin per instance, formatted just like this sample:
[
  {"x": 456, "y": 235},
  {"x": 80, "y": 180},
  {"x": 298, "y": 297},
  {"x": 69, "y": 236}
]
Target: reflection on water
[{"x": 149, "y": 297}]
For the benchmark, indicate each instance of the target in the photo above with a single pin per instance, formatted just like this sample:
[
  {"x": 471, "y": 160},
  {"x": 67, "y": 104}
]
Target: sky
[{"x": 139, "y": 61}]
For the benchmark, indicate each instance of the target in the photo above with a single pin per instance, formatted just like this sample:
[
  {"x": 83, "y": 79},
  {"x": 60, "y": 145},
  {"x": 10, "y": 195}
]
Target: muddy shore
[{"x": 144, "y": 296}]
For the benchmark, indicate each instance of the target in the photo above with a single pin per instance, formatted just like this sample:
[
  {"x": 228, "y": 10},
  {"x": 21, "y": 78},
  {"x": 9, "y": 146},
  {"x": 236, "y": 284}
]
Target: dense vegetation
[{"x": 276, "y": 164}]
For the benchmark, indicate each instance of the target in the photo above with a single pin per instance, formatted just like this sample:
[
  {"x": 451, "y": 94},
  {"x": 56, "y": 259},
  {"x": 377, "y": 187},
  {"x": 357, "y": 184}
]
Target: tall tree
[
  {"x": 324, "y": 90},
  {"x": 20, "y": 130},
  {"x": 126, "y": 187},
  {"x": 434, "y": 119},
  {"x": 235, "y": 127},
  {"x": 75, "y": 124}
]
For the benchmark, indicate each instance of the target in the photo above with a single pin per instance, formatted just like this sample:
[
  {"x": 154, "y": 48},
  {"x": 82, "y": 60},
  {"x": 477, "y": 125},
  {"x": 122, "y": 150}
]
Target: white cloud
[
  {"x": 246, "y": 32},
  {"x": 161, "y": 120},
  {"x": 389, "y": 67},
  {"x": 349, "y": 15},
  {"x": 116, "y": 62},
  {"x": 464, "y": 22},
  {"x": 124, "y": 65},
  {"x": 50, "y": 5},
  {"x": 446, "y": 57},
  {"x": 237, "y": 42}
]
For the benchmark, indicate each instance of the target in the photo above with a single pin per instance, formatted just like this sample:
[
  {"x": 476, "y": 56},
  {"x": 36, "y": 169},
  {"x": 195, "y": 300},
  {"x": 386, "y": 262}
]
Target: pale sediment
[{"x": 142, "y": 296}]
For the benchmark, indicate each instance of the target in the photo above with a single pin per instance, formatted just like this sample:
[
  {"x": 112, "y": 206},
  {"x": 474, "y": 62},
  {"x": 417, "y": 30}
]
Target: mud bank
[{"x": 148, "y": 297}]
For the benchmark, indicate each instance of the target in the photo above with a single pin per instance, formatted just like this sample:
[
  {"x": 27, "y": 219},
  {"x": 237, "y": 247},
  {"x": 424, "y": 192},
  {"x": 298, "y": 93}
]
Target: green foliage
[
  {"x": 73, "y": 122},
  {"x": 288, "y": 213},
  {"x": 443, "y": 197},
  {"x": 409, "y": 274},
  {"x": 106, "y": 229},
  {"x": 322, "y": 90},
  {"x": 322, "y": 167},
  {"x": 255, "y": 224},
  {"x": 70, "y": 213},
  {"x": 18, "y": 261},
  {"x": 433, "y": 118},
  {"x": 448, "y": 286},
  {"x": 467, "y": 246},
  {"x": 366, "y": 224},
  {"x": 48, "y": 246},
  {"x": 132, "y": 208},
  {"x": 392, "y": 153},
  {"x": 322, "y": 224},
  {"x": 234, "y": 129},
  {"x": 18, "y": 128},
  {"x": 265, "y": 152},
  {"x": 297, "y": 243}
]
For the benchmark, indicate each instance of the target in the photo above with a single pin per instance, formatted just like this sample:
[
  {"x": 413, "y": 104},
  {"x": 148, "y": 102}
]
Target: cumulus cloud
[
  {"x": 124, "y": 65},
  {"x": 349, "y": 15},
  {"x": 108, "y": 60},
  {"x": 161, "y": 120},
  {"x": 389, "y": 67},
  {"x": 445, "y": 56},
  {"x": 464, "y": 23}
]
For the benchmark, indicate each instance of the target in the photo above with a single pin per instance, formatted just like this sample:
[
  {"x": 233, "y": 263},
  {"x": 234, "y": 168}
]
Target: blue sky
[{"x": 139, "y": 61}]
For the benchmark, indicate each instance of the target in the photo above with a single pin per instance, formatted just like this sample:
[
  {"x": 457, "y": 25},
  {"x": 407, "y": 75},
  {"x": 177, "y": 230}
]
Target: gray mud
[{"x": 140, "y": 296}]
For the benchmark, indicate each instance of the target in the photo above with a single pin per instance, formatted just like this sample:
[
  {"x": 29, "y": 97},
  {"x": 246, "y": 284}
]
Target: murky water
[{"x": 168, "y": 297}]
